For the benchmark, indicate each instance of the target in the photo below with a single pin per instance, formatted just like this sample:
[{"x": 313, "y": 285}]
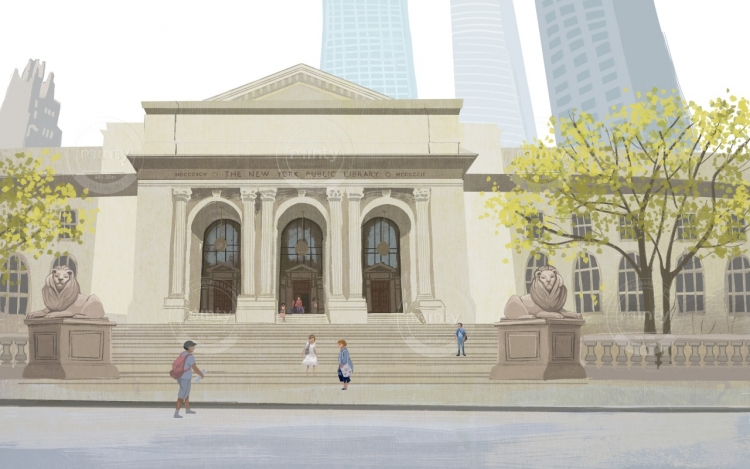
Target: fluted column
[
  {"x": 354, "y": 196},
  {"x": 337, "y": 249},
  {"x": 267, "y": 197},
  {"x": 180, "y": 197},
  {"x": 248, "y": 239},
  {"x": 424, "y": 272}
]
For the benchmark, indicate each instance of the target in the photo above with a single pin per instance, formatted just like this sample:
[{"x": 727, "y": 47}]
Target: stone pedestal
[
  {"x": 538, "y": 349},
  {"x": 252, "y": 311},
  {"x": 70, "y": 349}
]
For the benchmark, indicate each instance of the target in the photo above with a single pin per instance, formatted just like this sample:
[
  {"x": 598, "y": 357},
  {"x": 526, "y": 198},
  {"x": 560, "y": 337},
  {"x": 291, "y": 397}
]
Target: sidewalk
[{"x": 576, "y": 394}]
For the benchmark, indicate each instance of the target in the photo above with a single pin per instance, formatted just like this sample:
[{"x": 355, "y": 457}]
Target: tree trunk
[
  {"x": 649, "y": 303},
  {"x": 666, "y": 289}
]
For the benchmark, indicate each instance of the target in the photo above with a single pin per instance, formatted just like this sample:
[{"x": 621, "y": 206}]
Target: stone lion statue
[
  {"x": 63, "y": 299},
  {"x": 545, "y": 300}
]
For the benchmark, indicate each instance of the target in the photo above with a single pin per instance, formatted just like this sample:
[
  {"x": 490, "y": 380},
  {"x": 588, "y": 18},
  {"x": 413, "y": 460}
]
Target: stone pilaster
[
  {"x": 247, "y": 248},
  {"x": 334, "y": 203},
  {"x": 354, "y": 196},
  {"x": 432, "y": 309},
  {"x": 267, "y": 197},
  {"x": 175, "y": 304}
]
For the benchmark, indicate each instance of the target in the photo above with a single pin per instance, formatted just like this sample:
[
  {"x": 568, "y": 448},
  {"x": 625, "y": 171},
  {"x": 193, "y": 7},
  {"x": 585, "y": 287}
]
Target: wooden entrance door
[
  {"x": 381, "y": 296},
  {"x": 223, "y": 296},
  {"x": 301, "y": 288}
]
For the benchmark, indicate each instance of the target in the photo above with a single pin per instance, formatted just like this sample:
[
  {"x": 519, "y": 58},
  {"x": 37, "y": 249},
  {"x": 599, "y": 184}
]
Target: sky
[{"x": 109, "y": 56}]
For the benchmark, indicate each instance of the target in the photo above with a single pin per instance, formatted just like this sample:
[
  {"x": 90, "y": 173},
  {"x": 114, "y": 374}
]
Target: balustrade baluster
[
  {"x": 607, "y": 356},
  {"x": 680, "y": 355},
  {"x": 636, "y": 358},
  {"x": 622, "y": 357},
  {"x": 737, "y": 353},
  {"x": 723, "y": 358},
  {"x": 695, "y": 354},
  {"x": 650, "y": 354},
  {"x": 709, "y": 359},
  {"x": 20, "y": 352},
  {"x": 6, "y": 358},
  {"x": 590, "y": 354}
]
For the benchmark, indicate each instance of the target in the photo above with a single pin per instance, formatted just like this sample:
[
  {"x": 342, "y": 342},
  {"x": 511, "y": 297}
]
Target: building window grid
[
  {"x": 587, "y": 285},
  {"x": 686, "y": 227},
  {"x": 581, "y": 225},
  {"x": 68, "y": 221},
  {"x": 630, "y": 287},
  {"x": 738, "y": 285},
  {"x": 14, "y": 293},
  {"x": 689, "y": 287}
]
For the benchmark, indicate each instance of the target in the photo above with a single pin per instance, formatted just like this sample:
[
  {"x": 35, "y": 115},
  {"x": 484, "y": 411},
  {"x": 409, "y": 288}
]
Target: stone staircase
[
  {"x": 303, "y": 319},
  {"x": 400, "y": 352}
]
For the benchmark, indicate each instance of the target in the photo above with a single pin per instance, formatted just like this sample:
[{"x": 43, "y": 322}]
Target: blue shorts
[{"x": 184, "y": 388}]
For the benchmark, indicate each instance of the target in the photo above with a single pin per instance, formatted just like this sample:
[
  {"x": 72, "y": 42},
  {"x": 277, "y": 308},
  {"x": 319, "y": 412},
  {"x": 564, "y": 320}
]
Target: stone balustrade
[
  {"x": 13, "y": 356},
  {"x": 667, "y": 357}
]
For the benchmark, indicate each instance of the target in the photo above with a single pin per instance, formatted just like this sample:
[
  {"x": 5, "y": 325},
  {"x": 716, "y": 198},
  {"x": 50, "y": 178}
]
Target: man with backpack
[{"x": 182, "y": 371}]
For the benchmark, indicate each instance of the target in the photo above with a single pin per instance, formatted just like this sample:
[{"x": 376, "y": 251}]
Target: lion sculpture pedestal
[
  {"x": 70, "y": 349},
  {"x": 539, "y": 349},
  {"x": 70, "y": 338},
  {"x": 538, "y": 339}
]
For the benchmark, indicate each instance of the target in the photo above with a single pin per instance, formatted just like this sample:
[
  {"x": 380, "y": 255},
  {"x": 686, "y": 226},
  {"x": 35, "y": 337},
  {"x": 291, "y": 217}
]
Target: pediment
[
  {"x": 223, "y": 267},
  {"x": 380, "y": 268},
  {"x": 301, "y": 268},
  {"x": 300, "y": 83}
]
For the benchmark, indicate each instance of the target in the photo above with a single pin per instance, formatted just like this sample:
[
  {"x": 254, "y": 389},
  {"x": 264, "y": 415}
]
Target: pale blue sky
[{"x": 109, "y": 56}]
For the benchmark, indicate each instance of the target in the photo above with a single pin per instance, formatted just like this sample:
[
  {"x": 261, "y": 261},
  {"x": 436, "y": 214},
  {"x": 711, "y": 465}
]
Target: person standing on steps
[
  {"x": 460, "y": 338},
  {"x": 186, "y": 377},
  {"x": 314, "y": 307},
  {"x": 346, "y": 367},
  {"x": 298, "y": 306},
  {"x": 282, "y": 312},
  {"x": 311, "y": 358}
]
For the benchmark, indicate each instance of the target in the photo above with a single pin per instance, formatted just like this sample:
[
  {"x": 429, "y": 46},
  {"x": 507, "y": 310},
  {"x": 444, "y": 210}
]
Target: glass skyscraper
[
  {"x": 595, "y": 49},
  {"x": 368, "y": 42},
  {"x": 488, "y": 68}
]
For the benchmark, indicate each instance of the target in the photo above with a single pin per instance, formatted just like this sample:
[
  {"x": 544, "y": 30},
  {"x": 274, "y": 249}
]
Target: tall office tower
[
  {"x": 488, "y": 68},
  {"x": 368, "y": 42},
  {"x": 594, "y": 49},
  {"x": 29, "y": 113}
]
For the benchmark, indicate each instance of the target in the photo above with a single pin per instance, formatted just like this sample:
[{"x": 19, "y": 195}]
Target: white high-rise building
[
  {"x": 368, "y": 42},
  {"x": 488, "y": 67},
  {"x": 28, "y": 116}
]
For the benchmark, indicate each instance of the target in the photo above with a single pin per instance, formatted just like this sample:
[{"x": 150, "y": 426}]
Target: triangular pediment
[
  {"x": 301, "y": 268},
  {"x": 223, "y": 267},
  {"x": 380, "y": 268},
  {"x": 300, "y": 83}
]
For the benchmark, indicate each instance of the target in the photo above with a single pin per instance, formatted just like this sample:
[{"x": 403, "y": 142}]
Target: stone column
[
  {"x": 354, "y": 196},
  {"x": 430, "y": 308},
  {"x": 334, "y": 202},
  {"x": 424, "y": 272},
  {"x": 180, "y": 197},
  {"x": 248, "y": 240},
  {"x": 267, "y": 197}
]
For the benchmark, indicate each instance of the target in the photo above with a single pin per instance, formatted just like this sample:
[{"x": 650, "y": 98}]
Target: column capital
[
  {"x": 181, "y": 194},
  {"x": 355, "y": 193},
  {"x": 422, "y": 194},
  {"x": 248, "y": 194},
  {"x": 334, "y": 194},
  {"x": 268, "y": 194}
]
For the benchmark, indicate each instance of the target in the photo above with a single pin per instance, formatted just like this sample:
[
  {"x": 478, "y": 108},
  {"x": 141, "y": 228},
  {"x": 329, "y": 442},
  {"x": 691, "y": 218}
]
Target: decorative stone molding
[
  {"x": 248, "y": 194},
  {"x": 301, "y": 192},
  {"x": 386, "y": 192},
  {"x": 334, "y": 194},
  {"x": 268, "y": 195},
  {"x": 181, "y": 194},
  {"x": 422, "y": 194}
]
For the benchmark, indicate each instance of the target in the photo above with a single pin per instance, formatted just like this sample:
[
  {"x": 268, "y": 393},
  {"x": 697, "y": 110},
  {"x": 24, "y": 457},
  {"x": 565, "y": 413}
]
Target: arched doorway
[
  {"x": 220, "y": 269},
  {"x": 381, "y": 266},
  {"x": 301, "y": 266}
]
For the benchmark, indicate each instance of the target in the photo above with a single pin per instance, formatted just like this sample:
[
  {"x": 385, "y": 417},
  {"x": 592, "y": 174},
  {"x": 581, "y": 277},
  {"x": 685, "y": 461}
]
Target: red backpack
[{"x": 178, "y": 366}]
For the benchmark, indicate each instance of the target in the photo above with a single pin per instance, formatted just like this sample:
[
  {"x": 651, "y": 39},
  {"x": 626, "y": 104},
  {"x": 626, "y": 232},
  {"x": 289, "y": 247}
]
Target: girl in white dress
[{"x": 311, "y": 358}]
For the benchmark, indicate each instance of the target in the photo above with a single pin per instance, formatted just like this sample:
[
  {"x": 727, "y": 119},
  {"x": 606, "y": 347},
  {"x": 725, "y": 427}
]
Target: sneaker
[
  {"x": 177, "y": 416},
  {"x": 458, "y": 354},
  {"x": 189, "y": 411}
]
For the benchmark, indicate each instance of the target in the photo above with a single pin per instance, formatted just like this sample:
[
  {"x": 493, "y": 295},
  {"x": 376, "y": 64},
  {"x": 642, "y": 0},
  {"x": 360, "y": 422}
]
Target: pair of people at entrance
[
  {"x": 311, "y": 358},
  {"x": 460, "y": 339},
  {"x": 346, "y": 367}
]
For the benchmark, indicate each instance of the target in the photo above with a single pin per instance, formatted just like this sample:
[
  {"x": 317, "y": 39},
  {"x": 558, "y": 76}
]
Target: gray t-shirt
[{"x": 188, "y": 367}]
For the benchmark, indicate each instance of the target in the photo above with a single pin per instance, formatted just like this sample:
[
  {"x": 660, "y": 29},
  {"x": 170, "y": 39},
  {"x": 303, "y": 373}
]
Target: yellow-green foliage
[
  {"x": 33, "y": 208},
  {"x": 648, "y": 162}
]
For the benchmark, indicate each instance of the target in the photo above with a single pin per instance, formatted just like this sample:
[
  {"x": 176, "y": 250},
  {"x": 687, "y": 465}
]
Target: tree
[
  {"x": 660, "y": 171},
  {"x": 34, "y": 210}
]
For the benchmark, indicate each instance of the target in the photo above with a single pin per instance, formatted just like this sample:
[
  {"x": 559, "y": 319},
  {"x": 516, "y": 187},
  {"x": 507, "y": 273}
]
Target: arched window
[
  {"x": 587, "y": 285},
  {"x": 381, "y": 243},
  {"x": 14, "y": 291},
  {"x": 221, "y": 244},
  {"x": 302, "y": 243},
  {"x": 738, "y": 285},
  {"x": 689, "y": 284},
  {"x": 531, "y": 265},
  {"x": 67, "y": 261},
  {"x": 220, "y": 271},
  {"x": 630, "y": 286}
]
